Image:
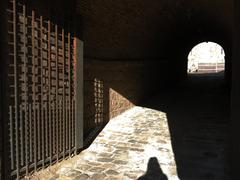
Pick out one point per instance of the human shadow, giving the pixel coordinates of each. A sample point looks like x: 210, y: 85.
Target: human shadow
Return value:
x: 154, y: 171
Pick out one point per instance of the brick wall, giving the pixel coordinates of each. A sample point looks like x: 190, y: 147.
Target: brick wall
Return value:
x: 139, y: 29
x: 112, y: 87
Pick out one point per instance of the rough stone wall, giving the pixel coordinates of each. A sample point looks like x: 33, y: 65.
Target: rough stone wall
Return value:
x: 104, y: 86
x: 156, y: 29
x: 112, y: 87
x: 118, y: 104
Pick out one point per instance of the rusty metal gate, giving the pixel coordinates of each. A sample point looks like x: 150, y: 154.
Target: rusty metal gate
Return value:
x: 44, y: 94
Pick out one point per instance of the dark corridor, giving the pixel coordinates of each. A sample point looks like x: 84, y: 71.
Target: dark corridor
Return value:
x: 109, y: 57
x: 198, y: 112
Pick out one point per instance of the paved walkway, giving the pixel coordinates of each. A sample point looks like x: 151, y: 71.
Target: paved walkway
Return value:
x: 123, y: 149
x: 181, y: 134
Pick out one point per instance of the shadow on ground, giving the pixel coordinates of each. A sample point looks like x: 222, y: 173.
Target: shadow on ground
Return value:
x: 154, y: 171
x: 198, y: 113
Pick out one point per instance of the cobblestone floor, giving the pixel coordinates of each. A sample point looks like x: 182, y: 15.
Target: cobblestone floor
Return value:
x: 122, y: 150
x: 182, y: 134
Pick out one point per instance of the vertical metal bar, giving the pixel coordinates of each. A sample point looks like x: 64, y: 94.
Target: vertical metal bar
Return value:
x: 35, y: 135
x: 54, y: 128
x: 11, y: 136
x: 30, y: 132
x: 42, y: 115
x: 60, y: 126
x: 67, y: 124
x: 73, y: 125
x: 73, y: 97
x: 26, y: 138
x: 69, y: 92
x: 49, y: 91
x: 21, y: 133
x: 16, y: 83
x: 46, y: 126
x: 25, y: 88
x: 57, y: 98
x: 74, y: 94
x: 38, y: 131
x: 64, y: 99
x: 60, y: 94
x: 34, y: 91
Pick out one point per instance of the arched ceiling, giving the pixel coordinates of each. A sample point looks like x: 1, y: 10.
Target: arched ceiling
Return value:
x: 156, y: 29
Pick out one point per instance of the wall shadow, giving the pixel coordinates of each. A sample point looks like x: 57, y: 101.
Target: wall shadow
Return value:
x: 154, y: 171
x: 96, y: 105
x: 198, y: 113
x: 112, y: 87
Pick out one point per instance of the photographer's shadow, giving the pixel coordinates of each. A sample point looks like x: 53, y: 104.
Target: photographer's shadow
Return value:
x: 154, y: 171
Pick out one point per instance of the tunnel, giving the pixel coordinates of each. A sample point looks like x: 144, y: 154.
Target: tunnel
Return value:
x: 134, y: 54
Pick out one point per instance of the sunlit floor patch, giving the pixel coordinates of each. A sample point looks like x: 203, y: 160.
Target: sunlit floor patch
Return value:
x: 123, y: 149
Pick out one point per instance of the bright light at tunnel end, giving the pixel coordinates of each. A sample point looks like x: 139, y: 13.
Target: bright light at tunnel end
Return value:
x: 206, y: 57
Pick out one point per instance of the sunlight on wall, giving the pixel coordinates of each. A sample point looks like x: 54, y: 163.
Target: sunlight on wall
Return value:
x: 118, y: 103
x: 206, y: 57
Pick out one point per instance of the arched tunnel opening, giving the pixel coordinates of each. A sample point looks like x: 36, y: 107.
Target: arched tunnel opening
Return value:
x: 206, y: 57
x: 110, y: 89
x: 197, y: 110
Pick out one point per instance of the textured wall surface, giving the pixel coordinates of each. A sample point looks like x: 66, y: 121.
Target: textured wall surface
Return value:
x: 113, y: 87
x: 156, y: 29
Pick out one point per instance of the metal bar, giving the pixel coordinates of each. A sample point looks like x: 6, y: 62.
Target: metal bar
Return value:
x: 73, y: 124
x: 30, y: 132
x: 26, y: 138
x: 26, y: 88
x: 64, y: 99
x: 42, y: 114
x: 11, y: 136
x: 57, y: 98
x: 46, y: 127
x: 73, y: 94
x: 21, y: 134
x: 34, y: 90
x: 60, y: 126
x: 67, y: 124
x: 54, y: 128
x: 49, y: 91
x: 69, y: 91
x: 16, y: 83
x: 38, y: 131
x: 75, y: 50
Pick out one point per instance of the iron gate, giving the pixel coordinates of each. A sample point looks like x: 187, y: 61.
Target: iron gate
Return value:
x: 44, y: 89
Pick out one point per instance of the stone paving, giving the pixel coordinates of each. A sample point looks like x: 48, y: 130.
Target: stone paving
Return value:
x: 122, y: 150
x: 182, y: 134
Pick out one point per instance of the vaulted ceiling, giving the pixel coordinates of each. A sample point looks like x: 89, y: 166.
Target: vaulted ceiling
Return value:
x: 156, y: 29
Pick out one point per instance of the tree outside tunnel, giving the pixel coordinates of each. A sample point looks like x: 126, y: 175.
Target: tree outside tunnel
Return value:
x: 206, y: 57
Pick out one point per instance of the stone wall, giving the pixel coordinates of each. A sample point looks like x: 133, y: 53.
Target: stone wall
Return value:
x: 112, y: 87
x: 139, y: 29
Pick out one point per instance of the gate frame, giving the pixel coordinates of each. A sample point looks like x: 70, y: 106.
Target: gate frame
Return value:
x: 5, y: 167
